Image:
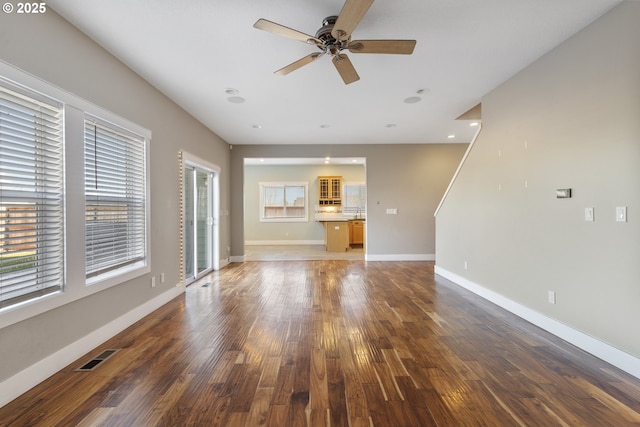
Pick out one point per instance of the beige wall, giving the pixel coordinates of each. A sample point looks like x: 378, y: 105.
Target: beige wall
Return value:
x: 570, y: 120
x: 48, y: 47
x: 410, y: 178
x: 256, y: 231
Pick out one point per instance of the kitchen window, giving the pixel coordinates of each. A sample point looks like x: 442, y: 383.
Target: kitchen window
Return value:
x: 284, y: 202
x: 354, y: 199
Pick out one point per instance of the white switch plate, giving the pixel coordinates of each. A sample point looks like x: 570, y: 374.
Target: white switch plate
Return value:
x: 621, y: 214
x: 552, y: 297
x: 392, y: 211
x: 588, y: 214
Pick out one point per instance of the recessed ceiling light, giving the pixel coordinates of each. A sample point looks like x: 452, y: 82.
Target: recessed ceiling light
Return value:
x: 391, y: 125
x: 257, y: 126
x: 324, y: 126
x: 236, y: 99
x: 231, y: 91
x: 451, y: 136
x: 474, y: 124
x: 412, y: 100
x: 421, y: 91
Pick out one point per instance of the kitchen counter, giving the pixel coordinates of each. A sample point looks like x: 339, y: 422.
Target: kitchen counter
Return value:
x: 328, y: 217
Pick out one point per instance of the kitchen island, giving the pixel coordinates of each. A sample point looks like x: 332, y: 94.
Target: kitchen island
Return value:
x: 337, y: 235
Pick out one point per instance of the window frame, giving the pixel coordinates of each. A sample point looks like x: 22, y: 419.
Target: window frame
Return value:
x: 35, y: 137
x: 122, y: 268
x: 351, y: 210
x: 284, y: 185
x: 75, y: 286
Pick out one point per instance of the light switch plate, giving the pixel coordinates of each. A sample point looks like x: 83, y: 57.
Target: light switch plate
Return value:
x: 621, y: 214
x: 588, y: 214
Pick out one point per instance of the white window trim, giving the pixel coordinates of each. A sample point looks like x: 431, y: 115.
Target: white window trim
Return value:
x: 348, y: 209
x: 74, y: 112
x: 304, y: 218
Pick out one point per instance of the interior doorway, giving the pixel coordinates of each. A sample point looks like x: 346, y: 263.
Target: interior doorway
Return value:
x: 200, y: 218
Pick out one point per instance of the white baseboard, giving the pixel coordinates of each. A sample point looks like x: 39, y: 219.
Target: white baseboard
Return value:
x: 237, y: 258
x: 600, y: 349
x: 21, y: 382
x: 400, y: 257
x: 282, y: 242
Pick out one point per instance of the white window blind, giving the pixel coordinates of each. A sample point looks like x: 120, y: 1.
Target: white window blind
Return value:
x: 31, y: 195
x: 283, y: 201
x: 115, y: 197
x: 354, y: 199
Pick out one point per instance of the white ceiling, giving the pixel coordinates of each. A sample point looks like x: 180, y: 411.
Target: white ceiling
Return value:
x: 193, y: 51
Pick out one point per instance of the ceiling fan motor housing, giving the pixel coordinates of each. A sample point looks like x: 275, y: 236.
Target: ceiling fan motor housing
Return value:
x: 331, y: 45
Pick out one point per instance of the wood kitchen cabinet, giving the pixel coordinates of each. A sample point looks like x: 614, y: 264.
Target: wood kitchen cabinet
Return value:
x: 356, y: 232
x: 336, y: 236
x: 329, y: 190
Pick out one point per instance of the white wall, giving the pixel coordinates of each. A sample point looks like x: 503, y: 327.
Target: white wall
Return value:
x: 570, y: 120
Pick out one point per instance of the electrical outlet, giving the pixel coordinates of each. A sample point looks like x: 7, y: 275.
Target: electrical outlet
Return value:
x: 161, y: 277
x: 552, y: 297
x: 621, y: 214
x: 465, y: 265
x: 153, y: 281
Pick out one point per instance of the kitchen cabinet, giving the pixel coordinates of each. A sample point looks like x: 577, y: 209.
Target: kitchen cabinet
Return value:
x: 329, y: 190
x: 356, y: 232
x: 336, y: 236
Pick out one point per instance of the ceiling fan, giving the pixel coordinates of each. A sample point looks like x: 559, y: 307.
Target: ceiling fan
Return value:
x: 335, y: 37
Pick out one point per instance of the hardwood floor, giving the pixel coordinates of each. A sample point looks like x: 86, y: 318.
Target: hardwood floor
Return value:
x: 332, y: 343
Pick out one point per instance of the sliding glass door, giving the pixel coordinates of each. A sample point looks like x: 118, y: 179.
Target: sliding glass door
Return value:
x: 200, y: 221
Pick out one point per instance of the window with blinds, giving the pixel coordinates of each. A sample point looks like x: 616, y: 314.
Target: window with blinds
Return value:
x: 284, y: 202
x: 31, y: 195
x: 115, y: 198
x: 354, y: 199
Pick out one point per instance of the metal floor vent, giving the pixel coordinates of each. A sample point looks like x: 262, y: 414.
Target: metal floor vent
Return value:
x: 97, y: 361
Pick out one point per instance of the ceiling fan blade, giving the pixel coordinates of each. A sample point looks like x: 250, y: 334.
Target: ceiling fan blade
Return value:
x: 349, y: 17
x: 400, y: 47
x: 345, y: 68
x: 299, y: 63
x: 281, y: 30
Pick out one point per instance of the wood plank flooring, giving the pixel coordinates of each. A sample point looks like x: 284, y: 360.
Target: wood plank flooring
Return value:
x: 332, y: 343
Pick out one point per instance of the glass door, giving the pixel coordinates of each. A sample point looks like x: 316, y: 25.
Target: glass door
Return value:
x: 204, y: 221
x: 200, y: 198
